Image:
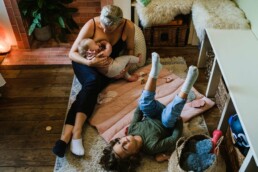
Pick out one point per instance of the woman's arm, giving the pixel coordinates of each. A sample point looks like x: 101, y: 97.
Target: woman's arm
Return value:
x: 169, y: 143
x: 86, y: 32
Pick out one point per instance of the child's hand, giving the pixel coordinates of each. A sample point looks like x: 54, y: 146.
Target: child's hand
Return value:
x: 162, y: 157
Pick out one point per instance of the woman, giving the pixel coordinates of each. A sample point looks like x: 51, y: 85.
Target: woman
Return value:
x: 110, y: 26
x: 154, y: 128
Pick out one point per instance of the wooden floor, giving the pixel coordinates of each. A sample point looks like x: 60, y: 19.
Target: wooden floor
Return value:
x: 35, y: 98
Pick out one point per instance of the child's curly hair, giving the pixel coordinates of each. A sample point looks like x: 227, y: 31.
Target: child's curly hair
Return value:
x: 110, y: 161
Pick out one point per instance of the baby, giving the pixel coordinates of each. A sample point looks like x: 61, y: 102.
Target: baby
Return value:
x: 88, y: 48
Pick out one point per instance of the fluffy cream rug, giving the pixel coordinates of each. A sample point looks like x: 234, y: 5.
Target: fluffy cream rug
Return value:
x: 162, y: 12
x: 219, y: 14
x: 94, y: 144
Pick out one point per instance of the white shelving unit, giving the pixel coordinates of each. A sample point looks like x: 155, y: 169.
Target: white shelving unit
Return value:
x: 236, y: 53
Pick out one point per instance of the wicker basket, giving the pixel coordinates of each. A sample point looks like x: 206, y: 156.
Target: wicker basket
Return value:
x: 172, y: 34
x: 148, y: 35
x: 235, y: 157
x: 209, y: 62
x: 221, y: 95
x: 182, y: 146
x: 166, y: 35
x: 182, y: 35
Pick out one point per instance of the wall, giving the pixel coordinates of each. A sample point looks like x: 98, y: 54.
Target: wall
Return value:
x: 125, y: 5
x: 251, y: 12
x: 87, y: 9
x: 6, y: 31
x: 10, y: 18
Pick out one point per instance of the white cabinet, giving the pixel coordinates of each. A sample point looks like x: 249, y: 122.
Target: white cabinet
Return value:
x: 236, y: 53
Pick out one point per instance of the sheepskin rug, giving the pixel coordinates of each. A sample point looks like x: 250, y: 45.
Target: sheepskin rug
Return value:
x: 162, y: 12
x: 218, y: 14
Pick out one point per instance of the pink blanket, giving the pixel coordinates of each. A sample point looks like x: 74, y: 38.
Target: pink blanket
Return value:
x: 118, y: 101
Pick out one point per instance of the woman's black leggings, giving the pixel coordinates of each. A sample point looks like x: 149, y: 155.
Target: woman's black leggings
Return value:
x: 92, y: 84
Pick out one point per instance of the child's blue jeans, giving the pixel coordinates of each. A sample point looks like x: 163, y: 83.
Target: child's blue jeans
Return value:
x: 154, y: 109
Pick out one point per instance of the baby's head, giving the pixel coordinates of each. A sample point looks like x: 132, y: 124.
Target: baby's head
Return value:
x: 87, y: 44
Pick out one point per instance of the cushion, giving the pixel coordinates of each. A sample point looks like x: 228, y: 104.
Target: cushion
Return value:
x: 162, y: 12
x: 218, y: 14
x: 139, y: 47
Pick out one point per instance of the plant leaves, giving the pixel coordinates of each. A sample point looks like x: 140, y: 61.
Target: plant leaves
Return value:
x: 61, y: 21
x: 55, y: 13
x: 32, y: 28
x: 40, y: 3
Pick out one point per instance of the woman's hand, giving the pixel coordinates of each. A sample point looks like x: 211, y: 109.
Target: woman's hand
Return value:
x: 98, y: 61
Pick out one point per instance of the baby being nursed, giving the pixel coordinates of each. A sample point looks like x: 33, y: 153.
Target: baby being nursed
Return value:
x: 88, y: 48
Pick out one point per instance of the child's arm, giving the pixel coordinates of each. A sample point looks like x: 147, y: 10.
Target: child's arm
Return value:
x: 107, y: 48
x: 138, y: 115
x: 169, y: 143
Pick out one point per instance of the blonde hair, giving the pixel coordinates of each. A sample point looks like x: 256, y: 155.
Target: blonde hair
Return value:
x: 111, y: 15
x: 84, y: 46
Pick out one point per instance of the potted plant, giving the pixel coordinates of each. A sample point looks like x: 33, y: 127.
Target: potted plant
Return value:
x: 50, y: 16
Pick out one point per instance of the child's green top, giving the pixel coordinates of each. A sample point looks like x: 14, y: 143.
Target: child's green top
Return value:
x: 156, y: 138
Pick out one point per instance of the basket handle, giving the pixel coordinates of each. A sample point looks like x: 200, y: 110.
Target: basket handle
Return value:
x: 179, y: 143
x: 216, y: 149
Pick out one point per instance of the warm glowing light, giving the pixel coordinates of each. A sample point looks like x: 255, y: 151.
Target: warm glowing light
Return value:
x: 4, y: 47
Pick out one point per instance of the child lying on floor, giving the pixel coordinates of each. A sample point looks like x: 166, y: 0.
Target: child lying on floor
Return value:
x: 155, y: 128
x: 88, y: 48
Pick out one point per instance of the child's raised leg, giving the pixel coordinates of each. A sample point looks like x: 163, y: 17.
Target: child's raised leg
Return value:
x: 173, y: 110
x: 147, y: 103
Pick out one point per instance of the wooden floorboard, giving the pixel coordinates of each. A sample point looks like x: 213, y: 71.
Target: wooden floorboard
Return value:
x: 32, y: 114
x: 36, y: 97
x: 32, y: 100
x: 18, y: 142
x: 26, y: 157
x: 27, y: 169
